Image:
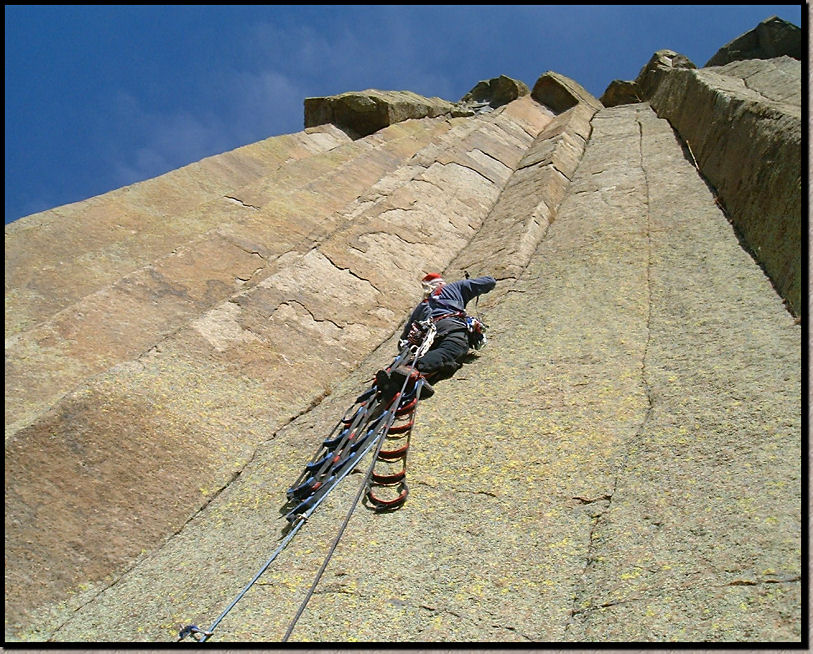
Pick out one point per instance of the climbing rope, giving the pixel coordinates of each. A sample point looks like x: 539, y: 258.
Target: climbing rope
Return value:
x: 365, y: 426
x: 362, y: 487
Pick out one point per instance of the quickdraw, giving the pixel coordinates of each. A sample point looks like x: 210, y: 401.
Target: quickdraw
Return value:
x: 193, y: 631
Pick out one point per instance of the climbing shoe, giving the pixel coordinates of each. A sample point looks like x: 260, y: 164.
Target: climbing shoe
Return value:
x: 399, y: 374
x: 382, y: 379
x: 385, y: 385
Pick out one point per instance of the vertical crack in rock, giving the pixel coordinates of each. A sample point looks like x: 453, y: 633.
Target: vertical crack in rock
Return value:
x: 644, y: 356
x: 607, y: 499
x: 645, y: 353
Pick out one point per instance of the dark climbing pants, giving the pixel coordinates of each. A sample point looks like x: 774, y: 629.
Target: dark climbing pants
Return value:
x: 445, y: 355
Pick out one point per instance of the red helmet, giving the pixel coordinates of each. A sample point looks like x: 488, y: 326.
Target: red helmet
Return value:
x: 431, y: 284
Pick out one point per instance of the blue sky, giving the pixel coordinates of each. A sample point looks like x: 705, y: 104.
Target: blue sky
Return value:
x: 102, y: 97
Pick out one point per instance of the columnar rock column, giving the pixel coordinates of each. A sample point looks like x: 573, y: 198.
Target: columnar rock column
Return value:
x: 742, y: 123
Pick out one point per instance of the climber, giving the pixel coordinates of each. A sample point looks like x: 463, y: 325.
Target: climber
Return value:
x: 444, y: 305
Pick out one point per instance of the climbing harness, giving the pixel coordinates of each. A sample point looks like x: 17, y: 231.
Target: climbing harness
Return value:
x: 379, y: 420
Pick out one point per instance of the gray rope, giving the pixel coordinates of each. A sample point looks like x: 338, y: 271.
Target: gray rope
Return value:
x: 377, y: 443
x: 279, y: 549
x: 362, y: 488
x: 288, y: 537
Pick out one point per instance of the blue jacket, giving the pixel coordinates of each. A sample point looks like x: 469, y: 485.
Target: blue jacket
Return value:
x: 450, y: 299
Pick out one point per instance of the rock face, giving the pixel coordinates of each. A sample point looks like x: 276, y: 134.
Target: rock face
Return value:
x: 743, y: 111
x: 561, y: 93
x: 365, y: 112
x: 232, y: 328
x: 362, y: 113
x: 622, y: 463
x: 496, y: 92
x: 772, y: 38
x: 748, y: 111
x: 620, y: 92
x: 658, y: 66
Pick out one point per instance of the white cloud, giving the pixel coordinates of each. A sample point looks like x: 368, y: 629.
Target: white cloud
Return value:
x: 250, y: 107
x: 261, y: 92
x: 375, y: 48
x: 262, y: 104
x: 161, y: 141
